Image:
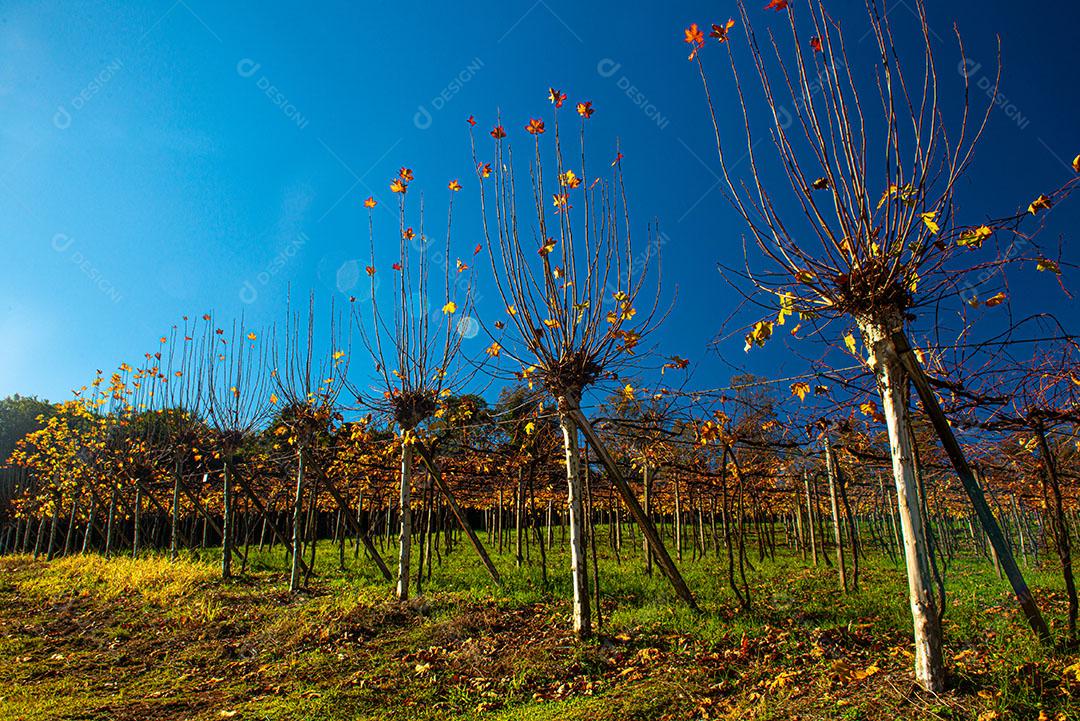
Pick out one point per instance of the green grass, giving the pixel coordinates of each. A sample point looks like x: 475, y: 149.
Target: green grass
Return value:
x: 88, y: 638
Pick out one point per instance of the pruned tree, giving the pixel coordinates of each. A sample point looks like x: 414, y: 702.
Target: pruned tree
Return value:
x: 856, y: 217
x: 570, y: 283
x: 415, y: 345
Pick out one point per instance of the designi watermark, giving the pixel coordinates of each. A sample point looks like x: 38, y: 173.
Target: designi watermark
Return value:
x: 248, y: 68
x: 65, y: 114
x: 423, y: 118
x: 64, y: 244
x: 608, y: 68
x: 249, y: 289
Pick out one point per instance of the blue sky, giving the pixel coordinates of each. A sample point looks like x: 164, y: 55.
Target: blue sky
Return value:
x: 167, y: 158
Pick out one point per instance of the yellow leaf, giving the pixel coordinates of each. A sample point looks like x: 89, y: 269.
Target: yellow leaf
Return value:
x: 867, y: 672
x: 1047, y: 264
x: 529, y: 428
x: 870, y: 409
x: 787, y: 304
x: 450, y: 308
x: 849, y: 341
x: 928, y: 220
x: 973, y: 238
x: 1040, y: 203
x: 995, y: 300
x: 273, y: 398
x: 762, y: 332
x: 800, y: 389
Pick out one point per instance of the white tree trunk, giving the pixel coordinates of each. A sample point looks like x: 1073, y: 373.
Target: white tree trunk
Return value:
x: 297, y: 535
x: 226, y: 524
x: 576, y: 494
x: 892, y: 383
x: 405, y: 513
x: 838, y: 536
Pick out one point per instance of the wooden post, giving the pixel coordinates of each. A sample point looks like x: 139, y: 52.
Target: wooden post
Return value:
x: 459, y: 514
x: 667, y: 566
x: 838, y: 535
x: 974, y: 491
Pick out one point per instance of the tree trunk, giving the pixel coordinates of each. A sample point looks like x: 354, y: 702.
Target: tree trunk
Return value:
x: 1059, y: 526
x: 892, y: 384
x: 810, y: 517
x: 646, y: 482
x: 109, y: 523
x: 519, y: 512
x: 226, y: 524
x: 174, y: 534
x: 137, y: 531
x: 838, y: 535
x: 578, y: 565
x: 51, y: 553
x: 297, y: 521
x: 405, y: 518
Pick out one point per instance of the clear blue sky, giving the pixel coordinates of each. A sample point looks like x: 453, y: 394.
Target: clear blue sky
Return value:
x: 155, y: 157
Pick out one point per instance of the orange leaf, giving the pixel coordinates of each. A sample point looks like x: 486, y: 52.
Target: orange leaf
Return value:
x: 556, y: 97
x: 370, y: 202
x: 454, y: 186
x: 498, y: 132
x: 535, y: 127
x: 777, y: 5
x: 585, y: 109
x: 693, y: 37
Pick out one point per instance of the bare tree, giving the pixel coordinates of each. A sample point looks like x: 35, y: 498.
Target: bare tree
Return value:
x: 857, y: 216
x: 571, y: 293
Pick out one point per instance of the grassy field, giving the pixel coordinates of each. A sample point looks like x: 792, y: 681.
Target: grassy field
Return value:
x: 88, y: 638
